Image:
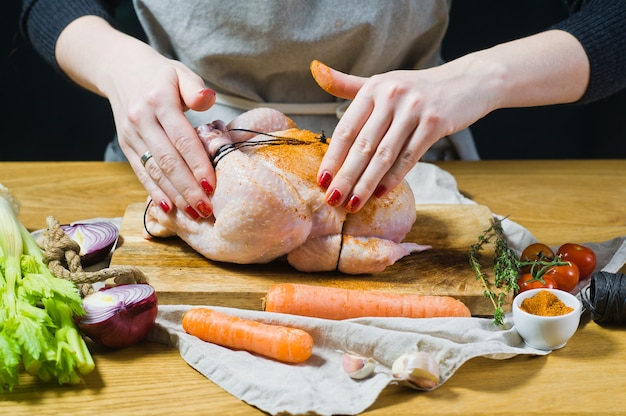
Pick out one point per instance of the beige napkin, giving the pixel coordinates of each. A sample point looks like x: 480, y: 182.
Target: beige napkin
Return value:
x: 320, y: 385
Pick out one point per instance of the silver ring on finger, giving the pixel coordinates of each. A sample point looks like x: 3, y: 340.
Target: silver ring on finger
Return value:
x: 144, y: 158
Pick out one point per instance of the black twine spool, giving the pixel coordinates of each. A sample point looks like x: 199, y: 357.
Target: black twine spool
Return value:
x: 605, y: 297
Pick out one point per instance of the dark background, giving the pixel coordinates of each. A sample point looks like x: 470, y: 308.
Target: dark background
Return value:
x: 46, y: 117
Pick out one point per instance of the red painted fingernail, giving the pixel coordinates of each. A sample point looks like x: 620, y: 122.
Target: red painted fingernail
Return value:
x: 208, y: 189
x: 380, y: 191
x: 164, y: 206
x: 334, y: 197
x: 325, y: 179
x: 207, y: 92
x: 204, y: 209
x: 353, y: 203
x: 192, y: 212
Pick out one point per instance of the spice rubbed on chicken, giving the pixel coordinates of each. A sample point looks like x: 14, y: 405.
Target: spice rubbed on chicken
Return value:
x: 267, y: 204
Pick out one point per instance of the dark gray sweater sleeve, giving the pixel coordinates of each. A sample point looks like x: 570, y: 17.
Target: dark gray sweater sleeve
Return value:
x: 600, y: 27
x: 42, y: 21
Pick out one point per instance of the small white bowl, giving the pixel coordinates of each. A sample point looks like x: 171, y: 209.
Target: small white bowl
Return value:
x: 546, y: 332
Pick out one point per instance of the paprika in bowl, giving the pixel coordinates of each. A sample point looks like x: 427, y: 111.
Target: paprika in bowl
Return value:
x: 546, y: 318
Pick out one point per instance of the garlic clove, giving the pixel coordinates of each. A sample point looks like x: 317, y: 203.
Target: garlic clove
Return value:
x: 356, y: 366
x: 418, y: 368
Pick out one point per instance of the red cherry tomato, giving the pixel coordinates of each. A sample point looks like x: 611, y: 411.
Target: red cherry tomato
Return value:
x: 525, y: 283
x: 581, y: 256
x: 566, y: 277
x: 534, y: 252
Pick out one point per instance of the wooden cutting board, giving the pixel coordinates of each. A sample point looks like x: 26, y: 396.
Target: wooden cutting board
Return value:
x: 182, y: 276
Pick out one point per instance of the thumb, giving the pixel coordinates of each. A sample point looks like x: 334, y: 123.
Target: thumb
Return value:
x: 334, y: 82
x: 194, y: 94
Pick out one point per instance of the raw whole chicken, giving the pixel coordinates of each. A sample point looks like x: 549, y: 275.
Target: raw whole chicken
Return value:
x: 267, y: 204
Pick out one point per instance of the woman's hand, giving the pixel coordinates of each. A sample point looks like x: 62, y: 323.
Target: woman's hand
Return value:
x: 396, y: 116
x: 393, y: 119
x: 148, y: 94
x: 148, y: 109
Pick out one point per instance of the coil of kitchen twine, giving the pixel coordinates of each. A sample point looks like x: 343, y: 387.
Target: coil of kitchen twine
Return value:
x: 605, y: 297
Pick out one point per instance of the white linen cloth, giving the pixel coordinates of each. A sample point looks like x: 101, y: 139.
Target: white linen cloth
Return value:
x: 320, y: 385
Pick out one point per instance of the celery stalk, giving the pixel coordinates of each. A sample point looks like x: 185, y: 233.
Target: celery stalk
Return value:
x: 37, y: 329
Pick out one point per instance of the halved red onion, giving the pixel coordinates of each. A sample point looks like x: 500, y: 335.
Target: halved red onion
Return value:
x: 96, y: 239
x: 119, y: 316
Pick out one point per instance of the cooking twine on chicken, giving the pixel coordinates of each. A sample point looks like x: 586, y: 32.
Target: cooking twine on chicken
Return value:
x: 62, y: 255
x: 276, y: 140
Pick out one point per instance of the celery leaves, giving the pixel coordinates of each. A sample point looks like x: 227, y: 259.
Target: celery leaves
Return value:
x: 37, y: 310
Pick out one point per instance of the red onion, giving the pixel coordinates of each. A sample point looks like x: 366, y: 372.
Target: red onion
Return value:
x: 119, y: 316
x: 96, y: 239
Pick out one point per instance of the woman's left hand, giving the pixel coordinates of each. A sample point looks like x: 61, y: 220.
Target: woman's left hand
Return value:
x: 393, y: 119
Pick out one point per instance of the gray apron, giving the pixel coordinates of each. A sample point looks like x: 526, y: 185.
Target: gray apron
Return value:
x: 257, y: 53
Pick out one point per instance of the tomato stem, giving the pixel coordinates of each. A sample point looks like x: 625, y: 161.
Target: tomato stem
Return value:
x: 539, y: 267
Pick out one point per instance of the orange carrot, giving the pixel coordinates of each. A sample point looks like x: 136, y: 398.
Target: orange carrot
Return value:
x: 289, y: 345
x: 337, y: 303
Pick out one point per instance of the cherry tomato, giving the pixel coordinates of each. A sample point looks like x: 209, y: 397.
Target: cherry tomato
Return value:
x: 534, y: 252
x: 566, y: 277
x: 524, y: 283
x: 581, y: 256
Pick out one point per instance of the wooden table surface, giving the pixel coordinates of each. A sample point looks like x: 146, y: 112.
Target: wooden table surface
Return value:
x: 558, y: 201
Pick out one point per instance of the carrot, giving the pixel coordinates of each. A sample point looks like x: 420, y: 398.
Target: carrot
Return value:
x: 337, y: 303
x: 289, y: 345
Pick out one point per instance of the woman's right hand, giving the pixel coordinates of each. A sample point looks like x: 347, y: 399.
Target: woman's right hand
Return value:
x: 396, y: 116
x: 148, y: 94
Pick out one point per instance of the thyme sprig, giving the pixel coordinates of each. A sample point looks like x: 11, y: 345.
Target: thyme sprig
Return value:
x: 506, y: 268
